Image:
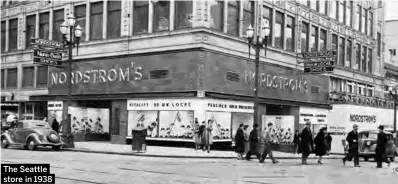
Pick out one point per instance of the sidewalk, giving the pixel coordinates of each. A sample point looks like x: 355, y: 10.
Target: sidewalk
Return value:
x: 171, y: 152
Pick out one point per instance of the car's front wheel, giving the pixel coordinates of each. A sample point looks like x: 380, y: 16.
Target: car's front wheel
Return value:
x: 31, y: 144
x: 4, y: 143
x: 56, y: 148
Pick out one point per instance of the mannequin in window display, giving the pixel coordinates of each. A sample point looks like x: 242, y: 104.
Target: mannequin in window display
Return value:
x: 227, y: 133
x: 152, y: 129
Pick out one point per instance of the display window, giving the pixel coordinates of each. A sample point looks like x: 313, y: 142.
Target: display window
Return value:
x: 150, y: 119
x: 176, y: 124
x: 282, y: 128
x: 239, y: 118
x: 220, y: 123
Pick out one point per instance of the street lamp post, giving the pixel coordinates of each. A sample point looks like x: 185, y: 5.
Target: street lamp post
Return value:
x: 394, y: 95
x: 257, y: 42
x: 75, y: 32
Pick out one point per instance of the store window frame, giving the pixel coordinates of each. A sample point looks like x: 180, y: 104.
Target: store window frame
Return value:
x: 248, y: 15
x: 28, y: 73
x: 370, y: 61
x: 341, y: 52
x: 58, y: 19
x: 30, y: 30
x: 348, y: 13
x: 42, y: 77
x: 279, y: 24
x: 268, y: 16
x: 13, y: 35
x: 290, y: 25
x: 323, y: 40
x: 314, y: 39
x: 96, y: 27
x: 304, y: 33
x: 364, y: 58
x: 140, y: 17
x: 184, y: 19
x: 80, y: 15
x: 114, y: 16
x: 3, y: 36
x: 44, y: 25
x: 12, y: 81
x: 341, y: 11
x: 161, y: 13
x: 348, y: 53
x: 358, y: 49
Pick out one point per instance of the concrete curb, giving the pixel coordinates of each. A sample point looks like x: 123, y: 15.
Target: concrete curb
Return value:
x: 181, y: 156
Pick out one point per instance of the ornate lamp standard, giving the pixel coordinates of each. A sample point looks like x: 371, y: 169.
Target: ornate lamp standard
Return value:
x: 257, y: 42
x: 75, y: 32
x: 394, y: 95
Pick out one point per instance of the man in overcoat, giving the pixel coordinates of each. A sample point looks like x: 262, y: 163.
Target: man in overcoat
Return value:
x: 352, y: 139
x: 381, y: 147
x: 253, y: 139
x: 307, y: 143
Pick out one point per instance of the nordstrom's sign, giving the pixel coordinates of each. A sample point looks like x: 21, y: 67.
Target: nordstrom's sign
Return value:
x: 276, y: 81
x: 132, y: 73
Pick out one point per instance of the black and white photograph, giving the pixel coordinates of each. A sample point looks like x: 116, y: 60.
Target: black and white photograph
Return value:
x: 199, y: 91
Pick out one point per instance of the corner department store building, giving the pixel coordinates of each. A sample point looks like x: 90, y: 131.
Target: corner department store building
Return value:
x: 190, y: 60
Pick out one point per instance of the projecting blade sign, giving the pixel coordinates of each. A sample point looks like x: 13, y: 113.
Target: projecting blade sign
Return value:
x: 47, y: 52
x: 319, y: 62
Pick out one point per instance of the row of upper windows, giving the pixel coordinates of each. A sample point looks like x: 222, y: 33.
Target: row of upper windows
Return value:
x: 31, y: 77
x: 350, y: 87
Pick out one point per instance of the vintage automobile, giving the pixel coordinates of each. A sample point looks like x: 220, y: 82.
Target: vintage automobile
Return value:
x: 367, y: 145
x: 30, y: 134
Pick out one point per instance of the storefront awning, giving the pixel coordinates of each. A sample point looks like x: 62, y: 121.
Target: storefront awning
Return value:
x: 113, y: 96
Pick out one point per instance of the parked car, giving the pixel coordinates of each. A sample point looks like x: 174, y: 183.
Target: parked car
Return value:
x: 30, y: 134
x: 367, y: 145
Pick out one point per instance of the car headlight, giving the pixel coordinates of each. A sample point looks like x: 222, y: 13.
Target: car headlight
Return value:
x: 368, y: 143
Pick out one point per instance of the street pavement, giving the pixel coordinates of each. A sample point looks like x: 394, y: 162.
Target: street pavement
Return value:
x: 95, y: 168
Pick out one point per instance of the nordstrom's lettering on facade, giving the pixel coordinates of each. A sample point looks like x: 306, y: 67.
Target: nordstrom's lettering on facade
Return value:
x: 362, y: 118
x: 275, y: 81
x: 132, y: 73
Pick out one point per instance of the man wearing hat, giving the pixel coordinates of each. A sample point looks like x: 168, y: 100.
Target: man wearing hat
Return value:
x: 307, y: 143
x: 381, y: 147
x: 352, y: 139
x: 253, y: 139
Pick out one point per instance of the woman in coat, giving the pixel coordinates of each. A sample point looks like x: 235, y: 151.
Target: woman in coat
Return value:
x: 208, y: 136
x: 247, y: 135
x: 240, y: 142
x: 196, y: 135
x: 321, y: 145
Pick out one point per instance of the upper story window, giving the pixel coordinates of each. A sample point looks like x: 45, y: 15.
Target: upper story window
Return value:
x: 183, y: 14
x: 114, y: 19
x: 304, y: 2
x: 12, y: 78
x: 348, y: 20
x: 58, y: 19
x: 140, y: 17
x: 13, y: 35
x: 80, y: 14
x: 357, y: 56
x: 96, y: 20
x: 44, y: 26
x: 341, y: 51
x: 333, y: 9
x: 314, y: 39
x: 358, y: 18
x: 378, y: 44
x: 322, y: 6
x: 216, y: 15
x: 363, y: 21
x: 248, y: 15
x: 313, y: 4
x: 370, y: 61
x: 3, y: 36
x: 30, y: 29
x: 304, y: 37
x: 322, y: 40
x: 341, y: 11
x: 233, y: 18
x: 334, y: 42
x: 2, y: 82
x: 267, y: 15
x: 370, y: 91
x: 42, y: 76
x: 28, y: 76
x: 349, y: 54
x: 279, y: 30
x: 161, y: 16
x: 370, y: 23
x: 289, y: 34
x: 364, y: 55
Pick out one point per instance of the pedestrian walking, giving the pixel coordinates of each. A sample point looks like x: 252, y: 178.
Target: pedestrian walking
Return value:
x: 240, y: 142
x: 196, y: 136
x: 296, y: 141
x: 267, y: 145
x: 352, y: 139
x: 208, y: 136
x: 329, y: 140
x: 247, y: 136
x: 381, y: 148
x: 321, y: 145
x: 306, y: 144
x: 55, y: 125
x: 253, y: 140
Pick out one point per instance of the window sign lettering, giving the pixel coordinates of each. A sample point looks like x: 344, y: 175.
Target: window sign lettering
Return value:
x: 362, y: 118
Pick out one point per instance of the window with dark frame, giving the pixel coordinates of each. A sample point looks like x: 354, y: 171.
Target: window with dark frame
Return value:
x: 304, y: 36
x: 279, y: 30
x: 370, y: 61
x: 80, y: 14
x: 378, y: 44
x: 183, y: 14
x: 114, y: 19
x: 289, y: 34
x: 333, y: 9
x: 58, y: 19
x: 42, y: 77
x: 363, y: 21
x: 364, y: 55
x: 2, y: 79
x: 3, y: 36
x: 358, y: 18
x: 370, y: 23
x: 140, y: 17
x: 322, y: 6
x: 349, y: 54
x: 13, y: 35
x: 341, y: 51
x: 161, y: 16
x: 12, y: 78
x: 30, y: 30
x: 322, y: 40
x: 28, y: 76
x: 233, y: 18
x: 248, y: 15
x: 358, y: 57
x: 348, y: 20
x: 44, y: 25
x: 216, y: 15
x: 267, y: 15
x: 314, y: 39
x: 341, y: 11
x: 96, y: 18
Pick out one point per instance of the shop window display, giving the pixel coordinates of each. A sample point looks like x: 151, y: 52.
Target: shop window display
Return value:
x: 176, y: 124
x: 91, y: 123
x: 150, y: 120
x: 238, y: 118
x: 282, y: 128
x: 220, y: 122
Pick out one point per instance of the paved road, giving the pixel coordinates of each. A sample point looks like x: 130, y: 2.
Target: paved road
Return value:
x: 75, y: 167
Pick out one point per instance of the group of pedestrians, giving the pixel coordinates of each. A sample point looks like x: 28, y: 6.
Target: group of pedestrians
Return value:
x: 353, y: 146
x: 202, y: 136
x: 250, y: 144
